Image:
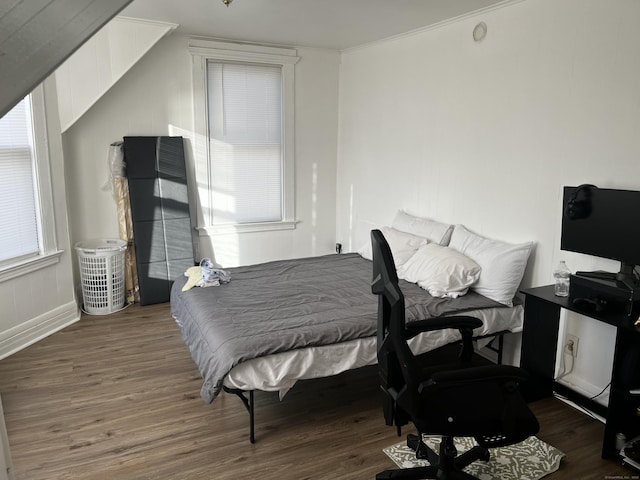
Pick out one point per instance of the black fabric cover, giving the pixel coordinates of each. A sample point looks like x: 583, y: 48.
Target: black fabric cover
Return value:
x: 160, y: 211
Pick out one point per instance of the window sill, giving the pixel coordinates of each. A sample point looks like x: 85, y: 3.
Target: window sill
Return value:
x: 212, y: 230
x: 30, y: 265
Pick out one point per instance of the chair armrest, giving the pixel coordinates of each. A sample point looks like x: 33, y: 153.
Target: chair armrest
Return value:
x: 458, y: 322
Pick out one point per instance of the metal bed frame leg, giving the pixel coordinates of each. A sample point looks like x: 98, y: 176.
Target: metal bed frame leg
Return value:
x: 250, y: 408
x: 249, y: 405
x: 500, y: 349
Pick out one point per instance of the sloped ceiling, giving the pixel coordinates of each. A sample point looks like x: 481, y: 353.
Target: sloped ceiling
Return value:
x: 38, y: 35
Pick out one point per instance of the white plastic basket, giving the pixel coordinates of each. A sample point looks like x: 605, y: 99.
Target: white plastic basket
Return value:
x: 102, y: 274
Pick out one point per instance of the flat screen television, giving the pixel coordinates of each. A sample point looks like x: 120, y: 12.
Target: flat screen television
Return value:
x: 604, y: 223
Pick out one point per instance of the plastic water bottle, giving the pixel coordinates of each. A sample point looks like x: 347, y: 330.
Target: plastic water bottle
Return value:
x: 561, y: 275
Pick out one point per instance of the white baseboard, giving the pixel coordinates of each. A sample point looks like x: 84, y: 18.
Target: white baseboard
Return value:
x: 31, y: 331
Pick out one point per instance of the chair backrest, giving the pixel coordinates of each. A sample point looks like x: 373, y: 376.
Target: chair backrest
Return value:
x: 385, y: 283
x: 392, y: 348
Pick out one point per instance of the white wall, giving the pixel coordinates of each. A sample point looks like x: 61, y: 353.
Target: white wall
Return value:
x: 486, y: 134
x: 39, y: 303
x: 155, y: 98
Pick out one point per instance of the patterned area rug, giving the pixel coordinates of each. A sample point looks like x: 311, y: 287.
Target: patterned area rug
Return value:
x: 529, y: 460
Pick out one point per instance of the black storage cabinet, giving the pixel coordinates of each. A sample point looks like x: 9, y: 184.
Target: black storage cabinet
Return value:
x: 160, y: 212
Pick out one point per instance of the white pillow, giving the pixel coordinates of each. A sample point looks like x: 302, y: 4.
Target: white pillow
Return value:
x: 424, y: 227
x: 403, y: 245
x: 442, y: 271
x: 502, y: 263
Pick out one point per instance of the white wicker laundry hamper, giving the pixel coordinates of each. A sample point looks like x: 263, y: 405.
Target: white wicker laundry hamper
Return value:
x: 101, y: 264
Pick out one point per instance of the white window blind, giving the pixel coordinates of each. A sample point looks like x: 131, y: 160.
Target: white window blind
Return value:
x: 19, y: 226
x: 245, y: 140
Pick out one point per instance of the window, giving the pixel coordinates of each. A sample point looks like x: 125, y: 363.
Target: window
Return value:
x: 244, y: 136
x: 18, y: 214
x: 245, y: 142
x: 27, y: 234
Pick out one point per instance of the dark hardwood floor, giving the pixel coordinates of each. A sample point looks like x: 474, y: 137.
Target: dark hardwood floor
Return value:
x: 117, y: 397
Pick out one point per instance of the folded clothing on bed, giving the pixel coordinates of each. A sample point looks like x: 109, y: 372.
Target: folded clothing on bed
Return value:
x: 205, y: 275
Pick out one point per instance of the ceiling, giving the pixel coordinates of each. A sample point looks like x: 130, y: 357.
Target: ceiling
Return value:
x: 334, y: 24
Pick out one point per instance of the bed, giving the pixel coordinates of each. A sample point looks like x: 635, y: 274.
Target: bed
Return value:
x: 279, y: 322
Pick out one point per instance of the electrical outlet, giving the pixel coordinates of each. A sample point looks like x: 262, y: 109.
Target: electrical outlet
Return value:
x: 571, y: 344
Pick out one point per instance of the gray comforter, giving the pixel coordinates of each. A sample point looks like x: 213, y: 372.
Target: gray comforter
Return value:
x: 283, y: 305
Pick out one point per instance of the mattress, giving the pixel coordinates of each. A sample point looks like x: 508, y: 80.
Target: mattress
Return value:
x: 307, y: 308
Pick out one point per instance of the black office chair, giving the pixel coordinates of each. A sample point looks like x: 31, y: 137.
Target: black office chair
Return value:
x: 455, y: 400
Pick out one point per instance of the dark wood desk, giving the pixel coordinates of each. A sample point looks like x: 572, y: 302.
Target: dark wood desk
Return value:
x: 538, y: 357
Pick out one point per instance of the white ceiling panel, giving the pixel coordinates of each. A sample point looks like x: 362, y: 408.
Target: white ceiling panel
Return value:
x: 334, y: 24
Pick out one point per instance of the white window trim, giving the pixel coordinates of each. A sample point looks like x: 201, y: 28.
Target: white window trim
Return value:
x: 202, y: 50
x: 49, y: 253
x: 32, y: 264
